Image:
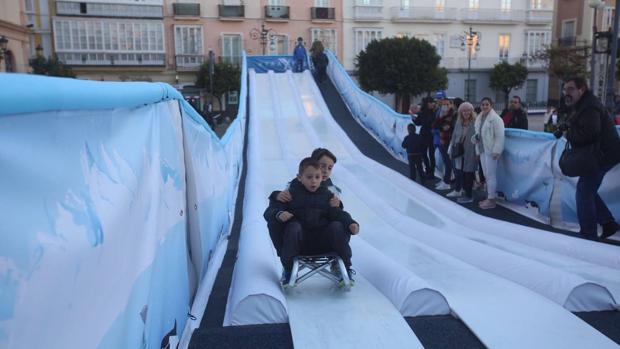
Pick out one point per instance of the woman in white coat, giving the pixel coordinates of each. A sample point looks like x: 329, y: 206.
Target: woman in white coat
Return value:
x: 489, y: 140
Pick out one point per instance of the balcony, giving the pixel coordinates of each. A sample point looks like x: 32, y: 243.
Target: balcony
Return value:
x: 539, y: 17
x: 423, y: 14
x: 231, y: 12
x: 277, y: 13
x: 111, y: 59
x: 87, y: 9
x: 492, y: 16
x: 189, y: 61
x: 476, y: 63
x: 186, y: 9
x: 323, y: 13
x: 567, y: 41
x: 368, y: 12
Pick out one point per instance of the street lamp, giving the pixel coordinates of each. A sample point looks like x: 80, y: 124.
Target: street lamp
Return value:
x: 262, y: 35
x: 39, y: 50
x: 594, y: 4
x: 471, y: 41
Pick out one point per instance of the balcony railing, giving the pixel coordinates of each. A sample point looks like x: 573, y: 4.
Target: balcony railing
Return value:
x: 189, y: 62
x: 112, y: 59
x: 539, y: 16
x: 423, y: 14
x: 495, y: 16
x: 231, y: 11
x: 324, y: 13
x: 186, y: 9
x: 486, y: 62
x: 567, y: 41
x: 235, y: 60
x: 87, y: 9
x: 373, y: 12
x: 277, y: 12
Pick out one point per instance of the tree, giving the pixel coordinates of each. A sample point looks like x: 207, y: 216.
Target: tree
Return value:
x: 564, y: 62
x: 506, y: 76
x: 226, y: 78
x: 403, y: 66
x: 51, y: 66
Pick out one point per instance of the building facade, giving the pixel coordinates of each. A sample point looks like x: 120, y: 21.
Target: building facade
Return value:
x: 508, y: 30
x: 14, y: 34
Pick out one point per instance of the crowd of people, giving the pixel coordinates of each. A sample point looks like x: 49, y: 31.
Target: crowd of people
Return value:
x: 470, y: 142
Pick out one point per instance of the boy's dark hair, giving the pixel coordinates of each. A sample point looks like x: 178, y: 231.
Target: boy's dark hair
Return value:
x: 411, y: 128
x: 318, y: 153
x: 579, y: 81
x: 457, y: 102
x: 300, y: 39
x: 308, y: 162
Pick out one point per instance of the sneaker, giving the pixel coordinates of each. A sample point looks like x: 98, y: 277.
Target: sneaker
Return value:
x: 442, y: 186
x: 487, y: 204
x: 464, y: 200
x: 350, y: 273
x: 454, y: 194
x: 609, y: 229
x: 285, y: 279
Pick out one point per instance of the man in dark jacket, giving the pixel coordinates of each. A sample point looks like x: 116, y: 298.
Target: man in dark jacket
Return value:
x: 313, y: 224
x: 515, y: 116
x: 413, y: 144
x: 425, y: 119
x: 588, y: 125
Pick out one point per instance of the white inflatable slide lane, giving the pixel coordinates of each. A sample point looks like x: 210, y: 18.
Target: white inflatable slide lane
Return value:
x: 500, y: 305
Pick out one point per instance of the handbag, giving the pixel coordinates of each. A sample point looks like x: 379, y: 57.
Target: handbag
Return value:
x: 458, y: 149
x: 582, y: 161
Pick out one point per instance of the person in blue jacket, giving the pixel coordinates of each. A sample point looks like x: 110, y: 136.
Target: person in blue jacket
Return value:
x: 299, y: 55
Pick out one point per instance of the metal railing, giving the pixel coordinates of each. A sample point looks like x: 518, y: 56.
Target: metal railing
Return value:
x: 186, y: 9
x: 486, y: 62
x: 231, y: 10
x: 111, y: 59
x: 328, y: 13
x: 277, y: 12
x: 414, y: 14
x: 108, y: 10
x: 505, y: 16
x: 539, y: 16
x: 368, y: 12
x: 189, y: 61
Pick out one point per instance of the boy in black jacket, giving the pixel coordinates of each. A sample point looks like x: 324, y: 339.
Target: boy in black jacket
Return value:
x: 313, y: 224
x: 414, y: 146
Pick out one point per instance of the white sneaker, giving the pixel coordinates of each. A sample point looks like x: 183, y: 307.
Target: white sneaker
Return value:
x: 454, y: 194
x: 442, y: 186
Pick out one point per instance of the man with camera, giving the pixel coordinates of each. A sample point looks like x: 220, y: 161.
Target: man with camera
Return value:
x: 589, y: 126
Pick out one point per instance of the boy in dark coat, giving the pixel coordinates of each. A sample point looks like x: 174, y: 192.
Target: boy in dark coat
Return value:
x: 414, y: 146
x: 313, y: 225
x: 299, y: 55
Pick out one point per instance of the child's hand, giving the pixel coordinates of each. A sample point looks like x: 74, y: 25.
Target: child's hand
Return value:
x: 284, y: 196
x: 354, y: 228
x: 285, y: 216
x: 334, y: 201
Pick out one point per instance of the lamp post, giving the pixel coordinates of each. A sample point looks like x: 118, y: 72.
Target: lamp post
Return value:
x: 611, y: 74
x: 470, y: 42
x: 262, y: 35
x: 594, y: 4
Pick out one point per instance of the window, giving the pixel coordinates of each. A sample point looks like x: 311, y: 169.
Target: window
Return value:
x: 405, y: 4
x: 440, y: 43
x: 531, y: 90
x: 231, y: 48
x: 321, y: 3
x: 363, y: 36
x: 505, y: 5
x: 474, y: 4
x: 188, y: 40
x: 275, y: 2
x: 278, y: 45
x: 568, y: 28
x: 327, y: 36
x: 403, y: 35
x: 504, y: 46
x: 541, y: 4
x: 440, y: 5
x: 470, y: 90
x: 536, y: 41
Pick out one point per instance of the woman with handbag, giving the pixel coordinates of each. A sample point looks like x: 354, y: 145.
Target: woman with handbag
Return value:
x: 463, y: 153
x: 489, y: 141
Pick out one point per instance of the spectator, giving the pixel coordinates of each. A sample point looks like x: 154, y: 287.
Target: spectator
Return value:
x: 515, y: 116
x: 445, y: 125
x: 556, y: 116
x: 425, y: 119
x: 299, y: 55
x: 413, y: 144
x: 489, y: 140
x: 465, y: 162
x: 590, y: 125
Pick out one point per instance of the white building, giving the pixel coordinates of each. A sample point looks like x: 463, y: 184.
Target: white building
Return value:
x: 511, y: 30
